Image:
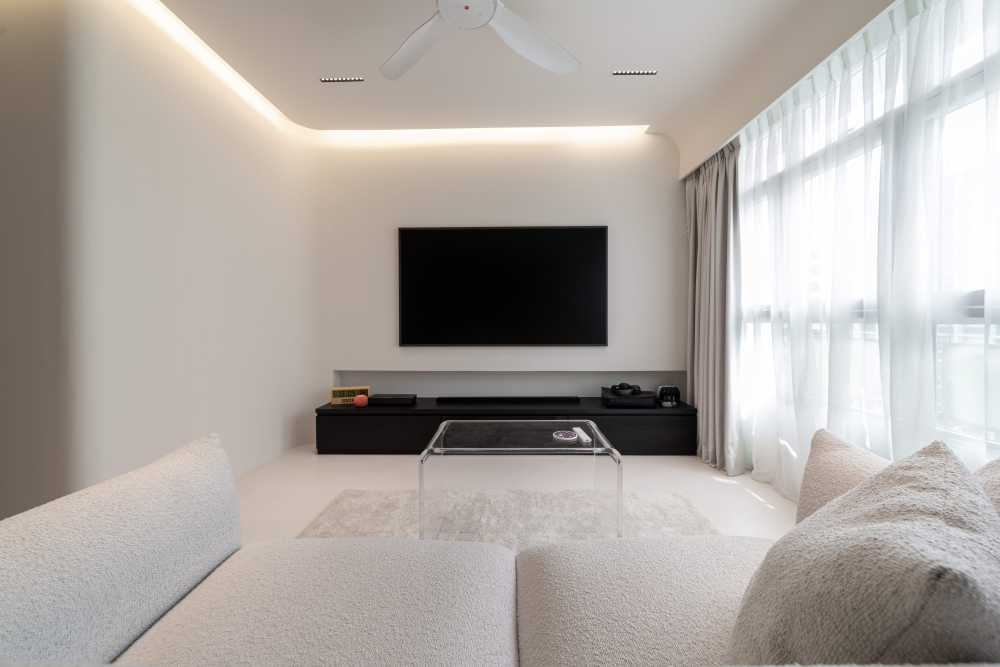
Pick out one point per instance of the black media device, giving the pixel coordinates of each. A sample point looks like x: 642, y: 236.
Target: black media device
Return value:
x: 508, y: 400
x: 503, y: 286
x: 624, y: 395
x: 392, y: 400
x: 625, y: 389
x: 668, y: 395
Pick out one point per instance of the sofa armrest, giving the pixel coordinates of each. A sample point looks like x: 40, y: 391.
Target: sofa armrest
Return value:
x: 83, y: 576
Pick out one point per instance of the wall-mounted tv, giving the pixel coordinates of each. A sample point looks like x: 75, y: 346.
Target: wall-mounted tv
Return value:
x: 503, y: 286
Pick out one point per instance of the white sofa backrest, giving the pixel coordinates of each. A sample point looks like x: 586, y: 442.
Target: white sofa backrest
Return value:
x: 82, y: 577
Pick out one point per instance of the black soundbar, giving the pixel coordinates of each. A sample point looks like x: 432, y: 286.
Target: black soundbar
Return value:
x: 392, y: 400
x: 507, y: 400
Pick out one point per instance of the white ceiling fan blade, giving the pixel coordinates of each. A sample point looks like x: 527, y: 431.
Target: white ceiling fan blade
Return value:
x: 536, y: 47
x: 415, y: 46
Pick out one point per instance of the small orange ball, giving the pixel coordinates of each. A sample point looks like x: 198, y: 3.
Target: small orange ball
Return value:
x: 360, y: 401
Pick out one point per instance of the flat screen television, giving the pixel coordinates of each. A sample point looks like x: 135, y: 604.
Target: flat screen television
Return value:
x: 503, y: 286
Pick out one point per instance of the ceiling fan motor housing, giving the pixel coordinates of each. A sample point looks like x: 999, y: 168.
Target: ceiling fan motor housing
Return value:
x: 453, y: 15
x: 467, y: 14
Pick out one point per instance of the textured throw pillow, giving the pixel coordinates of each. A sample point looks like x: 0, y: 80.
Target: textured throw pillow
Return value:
x: 904, y: 568
x: 833, y: 468
x: 989, y: 477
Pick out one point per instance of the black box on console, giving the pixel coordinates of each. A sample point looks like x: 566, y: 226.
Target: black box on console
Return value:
x: 392, y: 400
x: 644, y: 399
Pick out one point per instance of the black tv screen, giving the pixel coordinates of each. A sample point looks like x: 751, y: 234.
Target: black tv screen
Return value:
x: 503, y: 286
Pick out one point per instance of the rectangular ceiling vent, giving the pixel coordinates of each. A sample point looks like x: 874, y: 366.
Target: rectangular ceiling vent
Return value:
x: 634, y: 72
x: 342, y: 79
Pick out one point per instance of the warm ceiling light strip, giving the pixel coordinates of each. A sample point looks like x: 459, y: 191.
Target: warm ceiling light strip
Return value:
x: 183, y: 36
x: 186, y: 38
x: 481, y: 135
x: 342, y: 79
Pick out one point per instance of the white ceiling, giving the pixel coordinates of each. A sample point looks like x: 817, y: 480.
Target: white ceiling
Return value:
x: 283, y: 47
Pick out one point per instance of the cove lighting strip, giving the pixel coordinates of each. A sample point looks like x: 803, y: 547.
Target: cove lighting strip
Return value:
x: 480, y: 135
x: 168, y: 22
x: 183, y: 36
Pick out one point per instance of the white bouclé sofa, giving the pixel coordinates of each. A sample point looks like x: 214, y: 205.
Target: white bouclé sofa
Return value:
x: 148, y: 568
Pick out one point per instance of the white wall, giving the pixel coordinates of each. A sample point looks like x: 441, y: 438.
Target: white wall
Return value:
x: 174, y: 265
x: 503, y: 383
x: 184, y: 259
x: 365, y: 195
x: 194, y: 284
x: 34, y: 329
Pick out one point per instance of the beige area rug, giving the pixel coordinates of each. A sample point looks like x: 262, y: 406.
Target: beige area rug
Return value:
x: 514, y: 518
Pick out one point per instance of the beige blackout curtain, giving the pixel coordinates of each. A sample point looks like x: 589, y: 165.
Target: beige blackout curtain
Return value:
x: 712, y: 220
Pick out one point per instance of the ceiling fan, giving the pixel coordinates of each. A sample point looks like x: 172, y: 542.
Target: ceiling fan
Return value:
x: 452, y: 15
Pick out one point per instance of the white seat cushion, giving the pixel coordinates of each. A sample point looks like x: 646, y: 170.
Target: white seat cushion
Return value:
x: 344, y: 602
x: 633, y: 602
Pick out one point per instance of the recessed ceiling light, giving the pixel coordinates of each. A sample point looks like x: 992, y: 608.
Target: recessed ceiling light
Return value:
x: 634, y: 72
x: 342, y: 79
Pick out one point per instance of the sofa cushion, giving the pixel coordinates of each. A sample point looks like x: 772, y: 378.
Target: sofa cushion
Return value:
x: 904, y: 568
x: 652, y: 602
x: 81, y: 577
x: 366, y: 601
x: 989, y: 477
x: 833, y: 468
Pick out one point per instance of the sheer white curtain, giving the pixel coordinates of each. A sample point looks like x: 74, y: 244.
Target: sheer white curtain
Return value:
x: 869, y: 243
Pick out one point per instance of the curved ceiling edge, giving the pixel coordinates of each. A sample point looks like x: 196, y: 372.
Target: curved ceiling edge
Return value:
x: 174, y: 28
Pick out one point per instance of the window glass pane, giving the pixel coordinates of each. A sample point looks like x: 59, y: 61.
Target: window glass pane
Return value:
x: 968, y: 49
x: 899, y: 88
x: 757, y: 258
x: 960, y: 381
x: 809, y: 142
x: 856, y: 115
x: 993, y: 389
x: 878, y: 85
x: 859, y: 207
x: 756, y: 370
x: 866, y: 379
x: 963, y: 225
x: 960, y: 343
x: 854, y: 286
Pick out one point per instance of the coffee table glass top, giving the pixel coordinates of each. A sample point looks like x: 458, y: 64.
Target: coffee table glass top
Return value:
x: 520, y: 437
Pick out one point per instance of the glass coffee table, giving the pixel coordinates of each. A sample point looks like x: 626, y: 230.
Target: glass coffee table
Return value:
x: 520, y: 482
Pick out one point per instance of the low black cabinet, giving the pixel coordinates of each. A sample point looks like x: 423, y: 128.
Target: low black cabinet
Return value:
x: 407, y: 430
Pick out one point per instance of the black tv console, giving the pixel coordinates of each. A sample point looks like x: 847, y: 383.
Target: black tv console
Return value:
x: 408, y: 429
